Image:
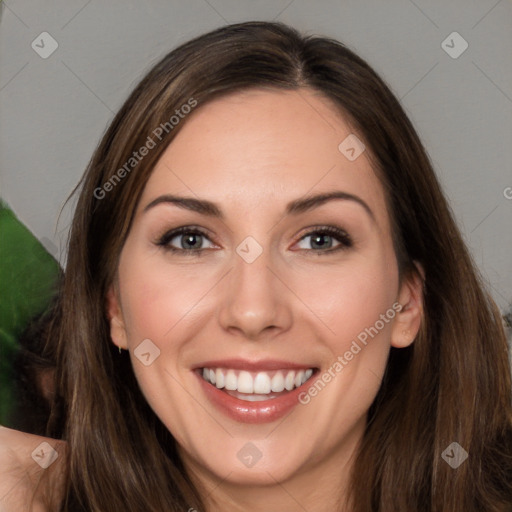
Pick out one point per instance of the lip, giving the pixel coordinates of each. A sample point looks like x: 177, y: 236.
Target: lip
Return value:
x: 253, y: 366
x: 265, y: 411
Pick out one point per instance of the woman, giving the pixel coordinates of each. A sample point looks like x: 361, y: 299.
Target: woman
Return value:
x: 261, y: 235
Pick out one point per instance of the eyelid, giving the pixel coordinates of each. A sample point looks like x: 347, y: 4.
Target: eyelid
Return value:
x: 343, y: 237
x: 164, y: 239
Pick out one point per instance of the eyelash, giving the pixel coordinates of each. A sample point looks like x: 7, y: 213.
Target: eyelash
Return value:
x: 341, y: 236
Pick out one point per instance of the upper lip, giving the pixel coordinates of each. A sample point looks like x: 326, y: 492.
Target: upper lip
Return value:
x: 254, y: 366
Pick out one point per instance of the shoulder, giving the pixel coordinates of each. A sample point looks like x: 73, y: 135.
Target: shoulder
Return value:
x: 31, y: 471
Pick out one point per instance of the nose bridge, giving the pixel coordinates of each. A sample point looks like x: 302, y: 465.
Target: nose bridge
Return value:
x: 254, y: 301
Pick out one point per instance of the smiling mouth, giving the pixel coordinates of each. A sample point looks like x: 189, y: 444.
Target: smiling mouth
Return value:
x: 256, y: 386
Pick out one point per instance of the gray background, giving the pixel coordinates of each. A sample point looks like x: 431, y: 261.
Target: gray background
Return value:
x: 54, y: 110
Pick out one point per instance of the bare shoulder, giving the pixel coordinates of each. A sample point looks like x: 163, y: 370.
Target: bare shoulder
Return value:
x: 31, y: 471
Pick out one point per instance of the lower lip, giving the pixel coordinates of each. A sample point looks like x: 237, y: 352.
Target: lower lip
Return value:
x: 264, y: 411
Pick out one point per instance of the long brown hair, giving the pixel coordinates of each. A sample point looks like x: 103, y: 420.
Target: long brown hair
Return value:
x: 452, y: 384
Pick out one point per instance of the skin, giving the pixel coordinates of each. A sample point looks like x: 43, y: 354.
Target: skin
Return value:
x: 251, y: 153
x: 25, y: 484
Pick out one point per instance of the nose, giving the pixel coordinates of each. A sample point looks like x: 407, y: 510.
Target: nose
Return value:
x: 255, y: 300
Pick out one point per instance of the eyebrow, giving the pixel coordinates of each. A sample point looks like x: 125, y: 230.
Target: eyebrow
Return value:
x: 205, y: 207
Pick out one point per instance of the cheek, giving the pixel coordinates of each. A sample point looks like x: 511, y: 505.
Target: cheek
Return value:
x: 354, y: 303
x: 158, y: 306
x: 350, y: 297
x: 156, y: 300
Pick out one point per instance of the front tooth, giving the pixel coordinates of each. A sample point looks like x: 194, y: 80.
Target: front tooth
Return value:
x: 245, y: 383
x: 262, y: 384
x: 289, y: 381
x: 298, y: 378
x: 219, y: 378
x: 212, y: 376
x: 278, y: 382
x: 231, y: 381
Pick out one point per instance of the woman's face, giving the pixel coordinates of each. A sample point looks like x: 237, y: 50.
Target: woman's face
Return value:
x: 265, y: 287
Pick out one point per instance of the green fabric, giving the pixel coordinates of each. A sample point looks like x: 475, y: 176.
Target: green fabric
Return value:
x: 28, y: 274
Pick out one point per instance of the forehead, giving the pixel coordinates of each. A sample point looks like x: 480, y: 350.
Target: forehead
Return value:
x: 265, y: 146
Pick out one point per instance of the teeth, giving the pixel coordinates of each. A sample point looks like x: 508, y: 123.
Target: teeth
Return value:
x: 262, y: 383
x: 253, y: 398
x: 245, y: 383
x: 289, y: 381
x: 231, y: 380
x: 277, y: 382
x: 219, y: 379
x: 257, y: 385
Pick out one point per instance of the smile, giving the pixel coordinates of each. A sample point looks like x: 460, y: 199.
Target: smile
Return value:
x: 253, y: 392
x: 256, y: 386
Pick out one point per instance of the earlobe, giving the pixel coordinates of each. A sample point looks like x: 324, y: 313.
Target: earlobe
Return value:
x: 408, y: 321
x: 115, y: 319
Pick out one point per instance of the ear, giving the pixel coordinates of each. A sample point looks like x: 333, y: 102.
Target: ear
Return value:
x: 408, y: 320
x: 115, y: 318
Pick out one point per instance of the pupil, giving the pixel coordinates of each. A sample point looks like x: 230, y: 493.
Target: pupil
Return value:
x: 190, y: 240
x: 320, y: 241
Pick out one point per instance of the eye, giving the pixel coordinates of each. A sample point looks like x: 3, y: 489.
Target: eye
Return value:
x: 190, y: 240
x: 322, y: 239
x: 185, y: 239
